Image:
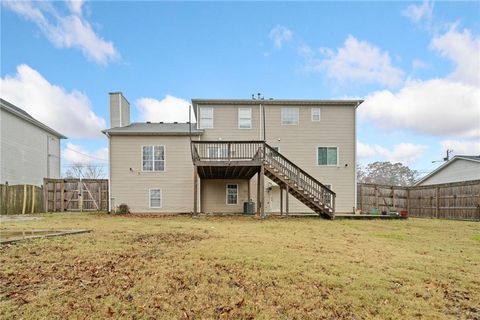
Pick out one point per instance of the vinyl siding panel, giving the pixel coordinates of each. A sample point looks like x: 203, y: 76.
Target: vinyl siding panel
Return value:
x: 458, y: 170
x: 28, y: 154
x: 299, y: 144
x: 132, y: 186
x: 214, y: 192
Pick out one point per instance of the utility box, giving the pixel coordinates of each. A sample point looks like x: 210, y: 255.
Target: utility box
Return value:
x: 249, y: 207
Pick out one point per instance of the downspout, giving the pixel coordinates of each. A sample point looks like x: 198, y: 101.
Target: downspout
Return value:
x: 264, y: 129
x: 109, y: 174
x: 355, y: 155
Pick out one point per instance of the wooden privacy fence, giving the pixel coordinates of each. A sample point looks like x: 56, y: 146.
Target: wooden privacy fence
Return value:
x: 20, y: 199
x: 75, y: 194
x: 458, y: 201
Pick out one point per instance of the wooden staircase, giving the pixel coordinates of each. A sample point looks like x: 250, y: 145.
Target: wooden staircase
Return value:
x: 243, y: 159
x: 300, y: 184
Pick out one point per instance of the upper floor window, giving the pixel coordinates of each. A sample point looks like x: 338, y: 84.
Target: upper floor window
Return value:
x: 153, y: 158
x: 327, y: 156
x: 315, y: 114
x: 206, y: 117
x: 245, y: 118
x: 290, y: 116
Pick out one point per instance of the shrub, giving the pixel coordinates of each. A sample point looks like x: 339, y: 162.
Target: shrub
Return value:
x: 123, y: 209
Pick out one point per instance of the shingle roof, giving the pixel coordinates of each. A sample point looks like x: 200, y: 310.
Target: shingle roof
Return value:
x: 155, y: 128
x: 27, y: 117
x: 281, y: 102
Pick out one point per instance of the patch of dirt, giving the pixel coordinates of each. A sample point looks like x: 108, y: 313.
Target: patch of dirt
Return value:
x: 170, y: 238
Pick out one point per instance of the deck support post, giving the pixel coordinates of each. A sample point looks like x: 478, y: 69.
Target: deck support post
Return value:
x: 195, y: 190
x: 286, y: 199
x: 248, y: 190
x: 281, y: 200
x: 262, y: 191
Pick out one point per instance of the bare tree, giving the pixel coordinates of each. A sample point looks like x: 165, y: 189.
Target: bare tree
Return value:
x: 84, y: 171
x: 387, y: 173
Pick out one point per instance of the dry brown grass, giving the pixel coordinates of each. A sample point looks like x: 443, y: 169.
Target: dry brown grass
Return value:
x: 239, y: 267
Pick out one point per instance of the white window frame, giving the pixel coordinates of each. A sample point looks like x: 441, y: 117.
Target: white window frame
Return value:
x: 327, y: 165
x: 200, y: 117
x: 313, y: 113
x: 150, y: 198
x: 226, y: 194
x: 153, y: 155
x: 250, y: 118
x: 290, y: 124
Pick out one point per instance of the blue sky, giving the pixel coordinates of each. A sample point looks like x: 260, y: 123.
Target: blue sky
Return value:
x: 415, y: 63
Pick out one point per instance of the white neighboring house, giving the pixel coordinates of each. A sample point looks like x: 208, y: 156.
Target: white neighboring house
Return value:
x: 458, y: 169
x: 29, y: 150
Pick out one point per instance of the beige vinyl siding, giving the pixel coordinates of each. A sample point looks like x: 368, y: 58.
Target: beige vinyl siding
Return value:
x: 225, y: 124
x: 132, y: 186
x: 28, y: 154
x: 299, y: 144
x: 214, y: 199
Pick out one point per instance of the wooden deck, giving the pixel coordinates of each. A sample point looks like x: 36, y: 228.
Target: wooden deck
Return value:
x: 245, y: 159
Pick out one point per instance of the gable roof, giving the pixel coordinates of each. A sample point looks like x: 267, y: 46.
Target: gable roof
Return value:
x: 22, y: 114
x: 155, y: 129
x: 446, y: 164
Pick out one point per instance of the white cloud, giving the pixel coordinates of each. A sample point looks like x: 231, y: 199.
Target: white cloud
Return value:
x: 69, y: 113
x: 168, y: 109
x: 461, y: 147
x: 405, y: 153
x: 463, y: 49
x: 280, y: 35
x: 70, y: 30
x: 435, y: 107
x: 73, y: 153
x: 418, y: 13
x: 419, y: 64
x: 356, y: 61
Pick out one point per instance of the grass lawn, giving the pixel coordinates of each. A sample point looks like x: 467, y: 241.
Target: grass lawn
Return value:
x: 239, y: 267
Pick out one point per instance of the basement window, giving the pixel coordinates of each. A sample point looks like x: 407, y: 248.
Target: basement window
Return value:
x: 155, y: 198
x: 290, y: 116
x: 232, y: 194
x: 327, y: 156
x: 206, y: 118
x: 153, y: 158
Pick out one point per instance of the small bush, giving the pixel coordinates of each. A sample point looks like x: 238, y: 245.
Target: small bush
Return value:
x: 123, y: 209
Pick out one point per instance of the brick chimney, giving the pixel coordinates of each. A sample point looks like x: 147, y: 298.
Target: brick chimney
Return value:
x: 119, y: 110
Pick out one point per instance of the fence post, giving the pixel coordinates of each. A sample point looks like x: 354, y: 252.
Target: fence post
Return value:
x: 437, y: 189
x: 33, y: 199
x: 408, y: 200
x: 80, y: 192
x: 24, y: 206
x: 376, y: 196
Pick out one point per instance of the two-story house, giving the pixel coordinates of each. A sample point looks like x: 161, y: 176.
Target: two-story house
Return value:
x: 29, y: 150
x: 238, y: 150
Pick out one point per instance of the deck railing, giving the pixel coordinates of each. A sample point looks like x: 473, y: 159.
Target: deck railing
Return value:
x: 259, y: 150
x: 303, y: 180
x: 226, y: 151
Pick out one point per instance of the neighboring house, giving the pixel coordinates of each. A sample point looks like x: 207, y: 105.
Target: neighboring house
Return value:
x: 29, y: 150
x: 458, y: 169
x: 240, y: 150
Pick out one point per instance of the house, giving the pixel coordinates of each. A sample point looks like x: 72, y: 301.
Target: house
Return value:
x: 30, y: 150
x: 284, y: 155
x: 459, y: 168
